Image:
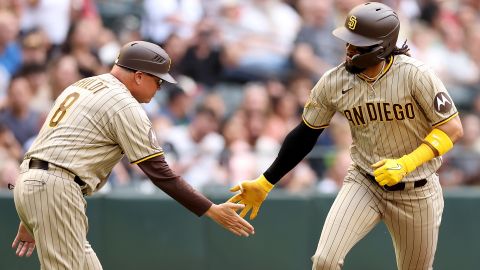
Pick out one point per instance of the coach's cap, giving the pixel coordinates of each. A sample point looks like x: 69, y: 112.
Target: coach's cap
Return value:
x: 146, y: 57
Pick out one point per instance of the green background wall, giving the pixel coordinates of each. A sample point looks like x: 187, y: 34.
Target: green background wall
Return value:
x: 133, y: 231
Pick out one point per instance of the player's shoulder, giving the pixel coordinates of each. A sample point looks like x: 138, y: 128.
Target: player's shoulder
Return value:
x: 117, y: 91
x: 335, y: 72
x: 110, y: 94
x: 405, y: 61
x: 333, y: 77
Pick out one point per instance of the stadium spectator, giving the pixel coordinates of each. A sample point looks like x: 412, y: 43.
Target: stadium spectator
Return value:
x: 108, y: 46
x: 163, y: 18
x: 10, y: 48
x: 176, y: 47
x: 194, y: 150
x: 18, y: 115
x: 214, y: 102
x: 80, y: 43
x: 256, y: 106
x: 37, y: 77
x: 462, y: 165
x: 177, y: 107
x: 450, y: 60
x: 237, y: 158
x: 202, y: 60
x: 9, y: 146
x: 258, y: 37
x: 316, y: 50
x: 51, y: 16
x: 14, y: 6
x: 286, y: 109
x: 35, y: 47
x: 63, y: 71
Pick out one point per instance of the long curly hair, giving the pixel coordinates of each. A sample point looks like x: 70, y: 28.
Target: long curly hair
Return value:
x: 402, y: 50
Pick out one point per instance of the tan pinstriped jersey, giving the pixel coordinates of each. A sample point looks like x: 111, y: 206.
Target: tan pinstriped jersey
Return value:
x: 387, y: 119
x: 93, y: 123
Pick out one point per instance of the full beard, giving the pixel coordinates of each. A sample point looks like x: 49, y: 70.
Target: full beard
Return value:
x: 350, y: 67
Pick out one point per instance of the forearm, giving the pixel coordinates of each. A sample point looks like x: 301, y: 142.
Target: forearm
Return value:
x: 297, y: 144
x: 391, y: 171
x: 435, y: 144
x: 163, y: 177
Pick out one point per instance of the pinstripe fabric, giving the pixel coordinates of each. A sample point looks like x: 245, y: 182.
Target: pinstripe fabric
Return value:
x: 52, y: 208
x: 102, y: 125
x: 412, y: 216
x: 353, y: 214
x: 388, y: 119
x: 415, y: 234
x: 93, y: 123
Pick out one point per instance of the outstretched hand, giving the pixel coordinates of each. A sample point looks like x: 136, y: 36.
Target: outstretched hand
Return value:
x: 226, y: 215
x: 252, y: 194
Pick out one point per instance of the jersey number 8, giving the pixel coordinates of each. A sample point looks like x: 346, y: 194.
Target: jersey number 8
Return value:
x: 62, y: 109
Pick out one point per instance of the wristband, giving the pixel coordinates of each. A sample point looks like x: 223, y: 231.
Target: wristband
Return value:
x: 435, y: 144
x: 439, y: 141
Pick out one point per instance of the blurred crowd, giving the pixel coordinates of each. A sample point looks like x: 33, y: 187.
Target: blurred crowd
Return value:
x: 245, y: 69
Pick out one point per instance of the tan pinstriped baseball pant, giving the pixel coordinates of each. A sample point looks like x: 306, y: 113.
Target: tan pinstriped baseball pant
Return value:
x: 412, y: 216
x: 51, y: 206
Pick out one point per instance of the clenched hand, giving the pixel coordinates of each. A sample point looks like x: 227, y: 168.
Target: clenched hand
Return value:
x: 391, y: 171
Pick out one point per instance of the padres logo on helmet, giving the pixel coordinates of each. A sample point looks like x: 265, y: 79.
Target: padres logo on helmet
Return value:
x: 373, y: 25
x: 352, y: 22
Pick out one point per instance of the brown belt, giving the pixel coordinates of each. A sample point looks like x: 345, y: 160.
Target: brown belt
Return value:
x: 396, y: 187
x: 43, y: 165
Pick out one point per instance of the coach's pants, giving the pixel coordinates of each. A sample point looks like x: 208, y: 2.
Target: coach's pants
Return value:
x: 412, y: 216
x: 52, y: 208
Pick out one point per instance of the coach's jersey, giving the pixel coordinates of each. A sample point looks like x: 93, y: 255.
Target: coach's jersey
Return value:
x: 96, y: 121
x: 389, y: 118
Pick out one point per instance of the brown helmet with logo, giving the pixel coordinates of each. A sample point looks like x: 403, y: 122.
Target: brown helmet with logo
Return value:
x: 146, y: 57
x: 373, y: 25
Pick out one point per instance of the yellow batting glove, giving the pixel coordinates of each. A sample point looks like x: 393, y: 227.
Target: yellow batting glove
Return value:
x: 391, y: 171
x: 252, y: 194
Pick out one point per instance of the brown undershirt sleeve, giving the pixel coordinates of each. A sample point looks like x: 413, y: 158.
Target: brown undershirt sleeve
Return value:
x: 164, y: 178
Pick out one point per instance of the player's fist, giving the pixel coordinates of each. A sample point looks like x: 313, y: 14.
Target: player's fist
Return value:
x: 252, y: 194
x: 390, y: 171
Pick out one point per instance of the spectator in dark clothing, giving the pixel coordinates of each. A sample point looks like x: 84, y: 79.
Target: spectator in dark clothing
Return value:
x: 202, y: 59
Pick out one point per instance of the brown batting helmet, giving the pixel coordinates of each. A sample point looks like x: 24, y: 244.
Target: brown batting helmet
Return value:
x: 146, y: 57
x: 373, y: 25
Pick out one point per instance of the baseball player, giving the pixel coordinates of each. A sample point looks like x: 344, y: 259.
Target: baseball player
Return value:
x: 93, y: 123
x: 402, y: 120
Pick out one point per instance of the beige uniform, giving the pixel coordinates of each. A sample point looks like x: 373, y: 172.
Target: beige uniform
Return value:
x: 93, y: 123
x: 388, y: 119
